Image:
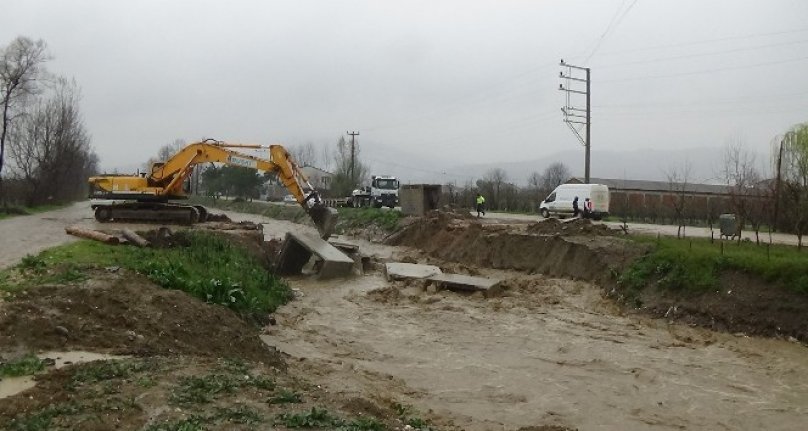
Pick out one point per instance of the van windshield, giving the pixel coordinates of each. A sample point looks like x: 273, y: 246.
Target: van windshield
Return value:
x: 551, y: 198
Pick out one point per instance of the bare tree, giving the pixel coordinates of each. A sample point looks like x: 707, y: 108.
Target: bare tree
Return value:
x: 51, y: 150
x: 21, y: 68
x: 742, y: 178
x: 305, y: 154
x: 343, y: 183
x: 555, y: 175
x: 166, y: 152
x: 492, y: 185
x: 678, y: 179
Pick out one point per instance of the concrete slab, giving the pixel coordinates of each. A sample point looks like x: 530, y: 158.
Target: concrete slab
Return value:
x: 401, y: 271
x: 298, y: 248
x: 466, y: 282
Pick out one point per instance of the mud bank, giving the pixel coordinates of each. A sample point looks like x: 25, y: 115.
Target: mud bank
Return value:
x: 582, y: 251
x: 576, y: 251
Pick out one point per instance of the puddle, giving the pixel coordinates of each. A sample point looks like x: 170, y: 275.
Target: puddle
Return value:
x: 13, y: 385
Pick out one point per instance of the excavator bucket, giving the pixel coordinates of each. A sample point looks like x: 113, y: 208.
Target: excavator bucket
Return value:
x: 325, y: 219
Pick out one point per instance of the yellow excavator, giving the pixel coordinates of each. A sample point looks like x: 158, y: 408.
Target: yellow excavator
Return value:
x: 148, y: 196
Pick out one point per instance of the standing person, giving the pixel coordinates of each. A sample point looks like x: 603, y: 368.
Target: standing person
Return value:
x: 587, y: 208
x: 480, y: 204
x: 575, y: 211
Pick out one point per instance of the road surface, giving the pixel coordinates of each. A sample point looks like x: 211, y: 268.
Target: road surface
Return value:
x: 649, y: 229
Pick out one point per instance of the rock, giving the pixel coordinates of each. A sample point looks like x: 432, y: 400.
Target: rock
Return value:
x: 432, y: 289
x: 61, y: 330
x: 271, y: 320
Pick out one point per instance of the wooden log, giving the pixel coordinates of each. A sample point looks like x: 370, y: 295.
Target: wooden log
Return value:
x: 91, y: 234
x: 135, y: 238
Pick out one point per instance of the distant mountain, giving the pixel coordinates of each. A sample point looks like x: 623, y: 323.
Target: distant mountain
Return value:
x: 634, y: 165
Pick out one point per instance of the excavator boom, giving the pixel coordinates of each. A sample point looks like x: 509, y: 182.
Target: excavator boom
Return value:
x: 150, y: 194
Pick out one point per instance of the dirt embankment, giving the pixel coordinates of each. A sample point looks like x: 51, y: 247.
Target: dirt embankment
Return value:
x: 124, y: 313
x: 576, y: 250
x: 581, y: 250
x: 188, y: 364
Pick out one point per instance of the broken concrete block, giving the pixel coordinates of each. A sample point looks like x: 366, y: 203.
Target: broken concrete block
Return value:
x: 402, y: 271
x: 298, y: 248
x: 466, y: 282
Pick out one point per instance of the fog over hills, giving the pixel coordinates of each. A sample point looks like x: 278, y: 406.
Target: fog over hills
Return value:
x: 648, y: 164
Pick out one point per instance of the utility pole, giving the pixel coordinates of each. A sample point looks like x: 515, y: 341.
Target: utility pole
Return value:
x: 779, y: 176
x: 353, y: 157
x: 575, y: 114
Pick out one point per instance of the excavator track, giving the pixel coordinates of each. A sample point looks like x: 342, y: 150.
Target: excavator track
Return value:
x: 150, y: 212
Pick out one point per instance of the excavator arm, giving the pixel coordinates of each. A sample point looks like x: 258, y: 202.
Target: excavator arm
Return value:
x: 165, y: 181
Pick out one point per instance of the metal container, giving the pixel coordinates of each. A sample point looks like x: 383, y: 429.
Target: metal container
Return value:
x: 728, y: 225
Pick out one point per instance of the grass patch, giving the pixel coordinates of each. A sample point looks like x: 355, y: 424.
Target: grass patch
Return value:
x: 291, y: 212
x: 351, y: 218
x: 193, y: 423
x: 204, y: 389
x: 321, y: 418
x: 41, y: 420
x: 11, y: 211
x: 407, y: 415
x: 25, y: 366
x: 285, y: 396
x: 209, y: 268
x: 696, y: 264
x: 100, y: 371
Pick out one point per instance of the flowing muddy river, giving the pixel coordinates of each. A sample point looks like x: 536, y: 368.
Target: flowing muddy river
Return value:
x: 550, y: 352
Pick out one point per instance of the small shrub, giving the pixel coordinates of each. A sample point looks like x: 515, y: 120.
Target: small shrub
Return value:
x: 25, y: 366
x: 286, y: 397
x: 314, y: 418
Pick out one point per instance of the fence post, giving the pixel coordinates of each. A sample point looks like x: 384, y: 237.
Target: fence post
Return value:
x: 722, y: 248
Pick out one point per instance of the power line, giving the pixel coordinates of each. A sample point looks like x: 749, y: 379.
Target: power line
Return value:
x: 705, y: 41
x: 699, y: 72
x: 704, y: 54
x: 610, y: 28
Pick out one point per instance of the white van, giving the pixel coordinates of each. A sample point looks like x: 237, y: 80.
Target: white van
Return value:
x: 559, y: 202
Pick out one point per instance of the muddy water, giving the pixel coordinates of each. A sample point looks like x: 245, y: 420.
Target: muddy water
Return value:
x: 553, y: 353
x: 13, y: 385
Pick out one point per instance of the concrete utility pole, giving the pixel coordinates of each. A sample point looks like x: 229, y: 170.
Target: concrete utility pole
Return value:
x: 353, y: 157
x: 576, y: 115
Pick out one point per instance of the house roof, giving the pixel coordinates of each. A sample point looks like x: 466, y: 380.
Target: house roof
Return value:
x: 653, y: 186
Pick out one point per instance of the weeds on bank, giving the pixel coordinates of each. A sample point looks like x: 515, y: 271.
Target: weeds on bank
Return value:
x: 696, y: 264
x: 350, y: 218
x: 406, y: 414
x: 209, y: 268
x: 321, y: 418
x: 204, y: 389
x: 99, y: 371
x: 41, y: 420
x: 286, y: 397
x: 25, y: 366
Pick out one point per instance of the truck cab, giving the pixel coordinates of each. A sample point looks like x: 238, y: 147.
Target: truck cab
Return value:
x: 382, y: 192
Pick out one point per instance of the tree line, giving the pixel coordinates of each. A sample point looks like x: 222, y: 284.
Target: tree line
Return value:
x: 45, y: 151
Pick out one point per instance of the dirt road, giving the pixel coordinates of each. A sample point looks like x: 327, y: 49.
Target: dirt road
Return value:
x: 31, y: 234
x: 647, y: 228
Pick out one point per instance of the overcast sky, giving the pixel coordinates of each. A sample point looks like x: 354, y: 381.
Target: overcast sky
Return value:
x: 467, y: 81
